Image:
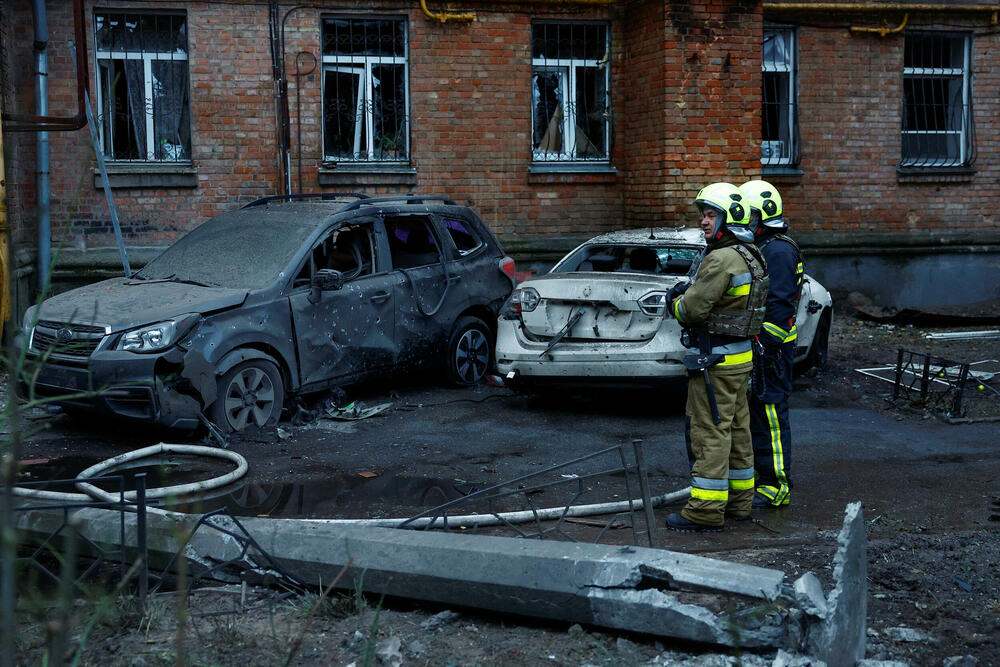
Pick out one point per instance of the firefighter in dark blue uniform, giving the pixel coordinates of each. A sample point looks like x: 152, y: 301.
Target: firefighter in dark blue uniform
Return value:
x: 769, y: 426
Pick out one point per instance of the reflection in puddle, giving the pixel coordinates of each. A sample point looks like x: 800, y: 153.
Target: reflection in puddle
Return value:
x: 340, y: 497
x: 345, y: 496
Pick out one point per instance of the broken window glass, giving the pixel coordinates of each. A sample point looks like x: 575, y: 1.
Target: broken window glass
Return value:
x: 779, y: 104
x: 937, y: 114
x: 143, y: 92
x: 411, y: 242
x: 570, y: 91
x: 365, y: 103
x: 461, y: 233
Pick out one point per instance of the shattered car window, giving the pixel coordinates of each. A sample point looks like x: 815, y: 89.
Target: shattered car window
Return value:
x: 243, y: 249
x: 461, y: 233
x: 348, y: 249
x: 656, y: 260
x: 411, y: 242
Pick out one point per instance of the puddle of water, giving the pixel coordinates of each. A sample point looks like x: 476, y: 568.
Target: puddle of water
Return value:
x: 346, y: 496
x: 165, y: 470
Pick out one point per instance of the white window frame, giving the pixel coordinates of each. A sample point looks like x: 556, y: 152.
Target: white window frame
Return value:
x: 785, y: 158
x: 963, y: 133
x: 147, y: 58
x: 567, y: 68
x: 363, y: 66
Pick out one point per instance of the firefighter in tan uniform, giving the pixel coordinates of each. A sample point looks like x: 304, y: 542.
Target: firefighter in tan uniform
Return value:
x: 720, y: 312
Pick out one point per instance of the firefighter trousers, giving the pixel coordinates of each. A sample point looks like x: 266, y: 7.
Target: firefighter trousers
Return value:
x: 722, y: 472
x: 770, y: 429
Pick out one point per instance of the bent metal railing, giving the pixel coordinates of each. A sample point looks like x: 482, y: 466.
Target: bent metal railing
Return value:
x: 574, y: 491
x: 97, y: 555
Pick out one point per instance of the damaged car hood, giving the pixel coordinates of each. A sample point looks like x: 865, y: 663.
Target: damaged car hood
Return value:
x: 608, y: 306
x: 121, y: 303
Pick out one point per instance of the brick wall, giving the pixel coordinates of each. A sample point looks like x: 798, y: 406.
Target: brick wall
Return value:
x: 851, y: 110
x: 685, y: 102
x: 692, y: 99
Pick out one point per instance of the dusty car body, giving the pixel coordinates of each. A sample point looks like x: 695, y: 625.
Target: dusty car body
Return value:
x: 284, y: 296
x: 599, y: 316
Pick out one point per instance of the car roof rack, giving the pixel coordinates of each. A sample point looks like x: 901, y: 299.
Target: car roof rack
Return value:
x: 411, y: 199
x: 322, y: 196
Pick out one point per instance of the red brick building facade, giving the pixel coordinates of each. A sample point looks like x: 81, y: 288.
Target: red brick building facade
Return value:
x: 881, y: 126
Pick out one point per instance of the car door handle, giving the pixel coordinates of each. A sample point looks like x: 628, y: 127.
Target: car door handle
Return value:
x: 379, y: 297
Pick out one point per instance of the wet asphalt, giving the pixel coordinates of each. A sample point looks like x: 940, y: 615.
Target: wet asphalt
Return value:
x: 435, y: 444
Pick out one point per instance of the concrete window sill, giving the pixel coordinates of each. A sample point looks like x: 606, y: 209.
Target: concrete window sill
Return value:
x: 149, y: 175
x: 540, y: 172
x: 940, y: 175
x: 367, y: 174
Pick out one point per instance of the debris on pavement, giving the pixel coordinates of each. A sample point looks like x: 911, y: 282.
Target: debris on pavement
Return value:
x: 354, y: 411
x: 963, y: 335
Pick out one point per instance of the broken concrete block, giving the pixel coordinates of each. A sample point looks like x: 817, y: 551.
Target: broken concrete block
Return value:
x: 809, y: 595
x: 388, y: 652
x: 909, y: 635
x: 840, y: 638
x: 440, y: 620
x: 960, y: 661
x: 786, y: 659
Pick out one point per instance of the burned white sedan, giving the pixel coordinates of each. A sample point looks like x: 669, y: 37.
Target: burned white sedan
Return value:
x: 599, y: 316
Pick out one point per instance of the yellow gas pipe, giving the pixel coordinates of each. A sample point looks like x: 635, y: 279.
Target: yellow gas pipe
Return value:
x: 471, y: 16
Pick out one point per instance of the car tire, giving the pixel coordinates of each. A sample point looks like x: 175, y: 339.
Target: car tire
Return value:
x: 470, y: 351
x: 816, y: 358
x: 249, y: 394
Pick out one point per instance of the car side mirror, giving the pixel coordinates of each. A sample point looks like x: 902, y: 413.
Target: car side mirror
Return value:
x: 328, y: 279
x: 325, y: 280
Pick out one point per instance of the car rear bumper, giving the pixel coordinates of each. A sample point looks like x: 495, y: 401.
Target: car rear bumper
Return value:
x: 610, y: 362
x: 133, y: 386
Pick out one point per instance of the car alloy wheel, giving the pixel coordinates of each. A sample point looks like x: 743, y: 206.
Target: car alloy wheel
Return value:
x: 251, y: 394
x: 471, y: 351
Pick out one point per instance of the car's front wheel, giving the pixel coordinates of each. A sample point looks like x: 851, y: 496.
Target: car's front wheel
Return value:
x: 250, y: 394
x: 470, y: 351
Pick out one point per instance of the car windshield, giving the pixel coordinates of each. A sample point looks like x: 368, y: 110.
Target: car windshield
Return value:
x: 243, y: 249
x: 623, y: 258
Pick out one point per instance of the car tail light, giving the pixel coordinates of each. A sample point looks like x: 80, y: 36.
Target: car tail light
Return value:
x: 654, y: 304
x: 507, y: 266
x: 521, y: 300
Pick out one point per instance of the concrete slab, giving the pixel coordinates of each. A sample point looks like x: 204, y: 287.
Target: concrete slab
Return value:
x: 628, y: 588
x: 840, y: 638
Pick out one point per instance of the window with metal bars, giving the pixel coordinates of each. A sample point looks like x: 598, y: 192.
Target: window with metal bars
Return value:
x: 779, y: 98
x: 937, y: 93
x: 365, y: 90
x: 570, y: 91
x: 143, y: 92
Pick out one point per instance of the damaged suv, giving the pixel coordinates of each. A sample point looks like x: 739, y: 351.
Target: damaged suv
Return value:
x: 287, y: 295
x: 599, y: 317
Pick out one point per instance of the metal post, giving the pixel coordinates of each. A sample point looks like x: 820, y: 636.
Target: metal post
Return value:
x: 899, y: 374
x: 107, y: 186
x: 140, y: 523
x: 925, y: 378
x: 956, y: 404
x: 647, y: 504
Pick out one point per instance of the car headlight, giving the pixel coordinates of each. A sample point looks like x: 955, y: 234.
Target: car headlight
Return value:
x: 156, y: 337
x: 28, y: 321
x: 654, y: 304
